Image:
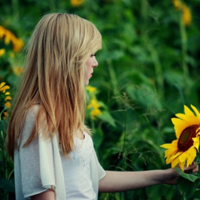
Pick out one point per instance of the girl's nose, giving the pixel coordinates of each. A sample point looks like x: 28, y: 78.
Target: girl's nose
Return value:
x: 95, y: 64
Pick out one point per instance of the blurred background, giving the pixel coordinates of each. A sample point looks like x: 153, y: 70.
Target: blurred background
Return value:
x: 148, y: 70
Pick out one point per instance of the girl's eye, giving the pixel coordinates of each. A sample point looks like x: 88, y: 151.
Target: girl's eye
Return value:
x: 93, y: 55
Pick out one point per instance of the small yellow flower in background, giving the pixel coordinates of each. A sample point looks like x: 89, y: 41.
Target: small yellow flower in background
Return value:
x: 4, y: 100
x: 3, y: 87
x: 7, y: 104
x: 2, y: 52
x: 76, y: 2
x: 91, y: 89
x: 18, y: 70
x: 17, y: 44
x: 10, y: 37
x: 184, y: 149
x: 8, y: 98
x: 95, y: 112
x: 187, y: 18
x: 94, y: 106
x: 177, y: 4
x: 186, y: 13
x: 5, y: 115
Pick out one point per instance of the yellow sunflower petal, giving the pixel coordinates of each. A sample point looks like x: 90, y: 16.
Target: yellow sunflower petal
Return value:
x: 196, y: 111
x: 188, y: 120
x: 170, y: 152
x: 187, y: 111
x: 179, y: 126
x: 191, y: 155
x: 198, y: 131
x: 168, y: 160
x: 181, y: 116
x: 176, y: 155
x: 167, y: 146
x: 175, y: 162
x: 189, y: 116
x: 170, y: 145
x: 177, y: 121
x: 182, y: 165
x: 172, y: 157
x: 196, y: 142
x: 183, y: 157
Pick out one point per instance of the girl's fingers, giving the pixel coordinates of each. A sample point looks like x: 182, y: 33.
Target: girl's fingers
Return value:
x: 195, y: 169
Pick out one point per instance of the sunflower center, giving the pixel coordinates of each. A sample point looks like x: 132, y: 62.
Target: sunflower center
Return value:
x: 185, y: 141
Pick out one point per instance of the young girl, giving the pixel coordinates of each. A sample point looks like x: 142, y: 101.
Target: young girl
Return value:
x: 53, y: 153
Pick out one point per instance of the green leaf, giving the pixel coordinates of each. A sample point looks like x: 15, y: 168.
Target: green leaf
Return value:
x: 7, y: 185
x: 186, y: 187
x: 98, y: 137
x: 1, y: 126
x: 105, y: 116
x: 190, y: 177
x: 197, y: 194
x: 145, y: 95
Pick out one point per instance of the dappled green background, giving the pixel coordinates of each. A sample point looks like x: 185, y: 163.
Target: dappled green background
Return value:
x: 148, y: 69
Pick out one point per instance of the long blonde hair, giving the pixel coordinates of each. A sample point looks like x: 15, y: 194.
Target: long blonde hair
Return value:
x: 57, y: 53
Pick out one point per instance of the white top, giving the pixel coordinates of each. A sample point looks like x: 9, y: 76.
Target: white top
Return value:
x: 41, y: 165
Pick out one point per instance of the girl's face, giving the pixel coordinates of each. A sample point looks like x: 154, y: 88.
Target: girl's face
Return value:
x: 91, y: 63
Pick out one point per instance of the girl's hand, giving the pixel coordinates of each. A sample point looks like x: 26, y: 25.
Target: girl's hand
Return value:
x: 173, y: 174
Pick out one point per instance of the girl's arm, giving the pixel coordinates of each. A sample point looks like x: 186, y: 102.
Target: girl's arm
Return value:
x: 47, y: 195
x: 124, y: 181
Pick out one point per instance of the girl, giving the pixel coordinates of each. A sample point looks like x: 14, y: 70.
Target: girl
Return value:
x: 52, y: 149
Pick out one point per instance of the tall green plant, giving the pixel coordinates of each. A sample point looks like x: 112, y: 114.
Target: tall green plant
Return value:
x: 6, y: 166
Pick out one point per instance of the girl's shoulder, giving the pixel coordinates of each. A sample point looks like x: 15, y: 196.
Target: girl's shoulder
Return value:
x: 32, y: 112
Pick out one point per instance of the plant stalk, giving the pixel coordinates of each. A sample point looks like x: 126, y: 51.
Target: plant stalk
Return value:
x: 184, y: 50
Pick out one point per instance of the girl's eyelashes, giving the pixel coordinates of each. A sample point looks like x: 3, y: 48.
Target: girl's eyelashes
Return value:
x: 93, y: 55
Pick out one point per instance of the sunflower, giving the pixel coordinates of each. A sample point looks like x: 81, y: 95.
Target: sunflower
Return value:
x: 184, y: 149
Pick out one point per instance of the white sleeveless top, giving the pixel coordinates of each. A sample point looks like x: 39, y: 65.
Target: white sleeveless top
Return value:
x: 77, y: 175
x: 41, y: 165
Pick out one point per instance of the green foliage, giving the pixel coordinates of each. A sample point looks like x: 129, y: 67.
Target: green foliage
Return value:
x: 7, y: 187
x: 148, y: 69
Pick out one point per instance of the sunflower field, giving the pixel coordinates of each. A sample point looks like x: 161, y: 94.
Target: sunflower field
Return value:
x: 144, y: 96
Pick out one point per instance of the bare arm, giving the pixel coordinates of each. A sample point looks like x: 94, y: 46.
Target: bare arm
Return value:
x: 47, y: 195
x: 123, y: 181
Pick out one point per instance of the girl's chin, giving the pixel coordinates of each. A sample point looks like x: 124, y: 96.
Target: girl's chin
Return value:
x: 86, y: 83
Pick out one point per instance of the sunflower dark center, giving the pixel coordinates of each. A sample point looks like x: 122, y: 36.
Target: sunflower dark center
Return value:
x: 185, y: 141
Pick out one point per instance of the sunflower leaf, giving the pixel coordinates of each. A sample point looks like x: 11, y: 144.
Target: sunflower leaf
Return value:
x: 190, y: 177
x: 186, y: 188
